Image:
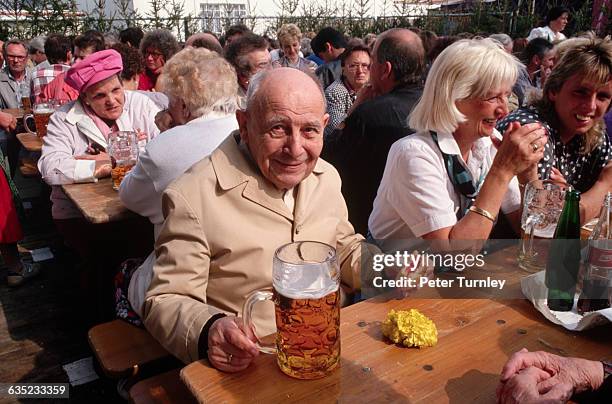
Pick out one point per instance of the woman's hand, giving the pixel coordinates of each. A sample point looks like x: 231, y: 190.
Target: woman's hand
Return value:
x: 229, y: 348
x: 521, y: 148
x: 100, y: 156
x: 103, y: 163
x: 556, y: 176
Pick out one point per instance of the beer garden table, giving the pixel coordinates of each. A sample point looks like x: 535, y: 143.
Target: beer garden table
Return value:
x: 98, y: 201
x: 475, y: 339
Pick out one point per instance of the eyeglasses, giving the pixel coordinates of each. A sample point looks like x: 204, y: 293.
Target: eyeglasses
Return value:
x: 363, y: 66
x: 16, y: 57
x: 153, y: 54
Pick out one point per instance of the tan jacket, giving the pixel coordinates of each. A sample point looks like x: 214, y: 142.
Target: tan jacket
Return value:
x: 223, y: 223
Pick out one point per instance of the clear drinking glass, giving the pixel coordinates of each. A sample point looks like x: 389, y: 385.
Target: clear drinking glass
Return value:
x: 41, y: 113
x: 306, y: 296
x: 542, y: 205
x: 123, y: 152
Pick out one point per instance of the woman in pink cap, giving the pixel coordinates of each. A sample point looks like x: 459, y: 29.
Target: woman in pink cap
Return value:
x: 74, y: 149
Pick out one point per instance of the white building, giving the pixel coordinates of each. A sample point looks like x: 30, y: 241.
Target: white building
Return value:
x: 216, y: 14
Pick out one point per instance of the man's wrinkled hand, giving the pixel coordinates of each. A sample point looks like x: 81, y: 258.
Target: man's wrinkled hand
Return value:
x: 229, y: 348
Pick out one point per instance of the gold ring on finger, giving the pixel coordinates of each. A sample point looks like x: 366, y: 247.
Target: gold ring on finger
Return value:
x: 229, y: 359
x: 535, y: 147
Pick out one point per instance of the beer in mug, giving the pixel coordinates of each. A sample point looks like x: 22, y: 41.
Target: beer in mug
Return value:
x: 123, y: 152
x: 41, y: 114
x: 306, y: 297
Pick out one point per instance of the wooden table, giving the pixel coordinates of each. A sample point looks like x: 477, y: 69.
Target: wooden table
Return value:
x: 18, y: 113
x: 30, y: 141
x: 475, y: 339
x: 98, y: 201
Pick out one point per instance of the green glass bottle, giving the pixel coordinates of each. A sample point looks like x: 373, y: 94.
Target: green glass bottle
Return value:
x: 564, y: 255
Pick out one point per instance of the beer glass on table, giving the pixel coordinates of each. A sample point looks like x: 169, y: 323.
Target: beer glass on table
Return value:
x: 306, y: 296
x: 542, y: 205
x: 41, y: 114
x: 123, y: 152
x: 26, y: 103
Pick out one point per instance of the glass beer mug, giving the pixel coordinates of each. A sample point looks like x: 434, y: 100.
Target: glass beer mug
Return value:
x: 123, y: 152
x: 542, y: 205
x: 306, y: 296
x: 41, y: 113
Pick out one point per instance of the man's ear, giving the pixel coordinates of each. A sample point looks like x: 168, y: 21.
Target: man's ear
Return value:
x: 536, y: 60
x: 387, y: 70
x: 325, y: 120
x: 241, y: 117
x: 328, y: 47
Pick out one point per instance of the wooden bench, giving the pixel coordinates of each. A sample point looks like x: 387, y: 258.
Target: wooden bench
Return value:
x: 30, y: 141
x: 123, y: 349
x: 164, y: 388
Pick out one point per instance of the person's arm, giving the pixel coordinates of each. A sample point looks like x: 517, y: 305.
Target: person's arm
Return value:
x: 591, y: 201
x: 514, y: 156
x: 138, y: 193
x: 58, y: 165
x: 176, y: 310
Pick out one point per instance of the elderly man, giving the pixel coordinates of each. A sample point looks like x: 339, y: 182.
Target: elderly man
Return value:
x: 379, y: 117
x: 14, y: 78
x: 14, y: 82
x: 37, y: 52
x: 263, y: 187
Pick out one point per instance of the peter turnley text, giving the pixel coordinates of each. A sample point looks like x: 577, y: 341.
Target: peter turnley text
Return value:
x: 423, y: 281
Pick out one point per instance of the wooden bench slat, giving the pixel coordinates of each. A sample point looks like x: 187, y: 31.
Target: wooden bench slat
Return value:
x: 121, y: 348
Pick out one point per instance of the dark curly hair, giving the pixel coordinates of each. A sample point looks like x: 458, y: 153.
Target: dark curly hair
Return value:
x: 133, y: 63
x: 161, y: 40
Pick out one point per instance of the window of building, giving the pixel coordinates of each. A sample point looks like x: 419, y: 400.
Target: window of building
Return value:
x: 215, y: 16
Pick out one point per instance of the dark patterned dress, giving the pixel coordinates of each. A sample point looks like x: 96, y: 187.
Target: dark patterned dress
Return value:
x: 580, y: 171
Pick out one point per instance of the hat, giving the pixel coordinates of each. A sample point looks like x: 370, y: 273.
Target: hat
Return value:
x: 94, y: 68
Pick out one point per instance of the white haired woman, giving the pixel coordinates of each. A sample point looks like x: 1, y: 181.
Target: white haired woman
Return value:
x: 289, y: 37
x: 203, y: 91
x: 451, y: 178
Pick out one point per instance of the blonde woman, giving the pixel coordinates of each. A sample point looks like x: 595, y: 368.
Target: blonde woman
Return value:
x: 202, y: 90
x: 576, y: 96
x: 451, y: 178
x: 289, y: 37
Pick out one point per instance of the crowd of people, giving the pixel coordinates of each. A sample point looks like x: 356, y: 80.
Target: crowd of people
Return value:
x: 346, y: 141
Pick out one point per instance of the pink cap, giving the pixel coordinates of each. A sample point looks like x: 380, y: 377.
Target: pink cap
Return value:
x: 94, y: 68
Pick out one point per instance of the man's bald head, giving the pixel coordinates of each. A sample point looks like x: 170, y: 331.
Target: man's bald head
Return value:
x: 287, y: 81
x: 403, y: 49
x: 283, y: 125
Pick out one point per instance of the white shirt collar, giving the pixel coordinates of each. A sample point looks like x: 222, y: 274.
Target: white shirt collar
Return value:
x: 481, y: 147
